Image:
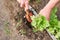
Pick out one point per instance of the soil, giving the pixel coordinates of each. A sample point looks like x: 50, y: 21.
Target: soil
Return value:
x: 12, y: 18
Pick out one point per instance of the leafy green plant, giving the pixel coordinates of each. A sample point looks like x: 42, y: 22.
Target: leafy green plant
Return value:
x: 39, y: 22
x: 54, y: 24
x: 53, y: 21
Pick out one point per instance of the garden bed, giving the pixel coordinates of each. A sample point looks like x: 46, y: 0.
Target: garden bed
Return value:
x: 23, y: 27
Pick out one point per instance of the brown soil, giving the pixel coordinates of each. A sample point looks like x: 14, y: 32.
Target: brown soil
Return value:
x: 12, y: 15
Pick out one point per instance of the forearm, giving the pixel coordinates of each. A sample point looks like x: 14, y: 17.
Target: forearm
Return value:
x: 51, y: 4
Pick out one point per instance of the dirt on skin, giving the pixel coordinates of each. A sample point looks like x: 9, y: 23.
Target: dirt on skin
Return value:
x: 12, y: 19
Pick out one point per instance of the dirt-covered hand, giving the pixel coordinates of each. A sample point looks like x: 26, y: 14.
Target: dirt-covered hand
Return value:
x: 24, y: 4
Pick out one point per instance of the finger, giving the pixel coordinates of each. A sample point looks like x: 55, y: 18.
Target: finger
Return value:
x: 26, y: 5
x: 22, y: 3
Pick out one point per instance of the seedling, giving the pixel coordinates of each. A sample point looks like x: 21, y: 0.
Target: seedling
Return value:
x: 6, y: 28
x: 22, y: 31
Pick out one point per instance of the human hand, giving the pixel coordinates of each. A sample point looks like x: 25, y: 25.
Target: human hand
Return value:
x: 45, y: 13
x: 47, y: 9
x: 24, y: 4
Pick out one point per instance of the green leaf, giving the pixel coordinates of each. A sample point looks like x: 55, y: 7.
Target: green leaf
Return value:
x: 39, y: 22
x: 57, y: 35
